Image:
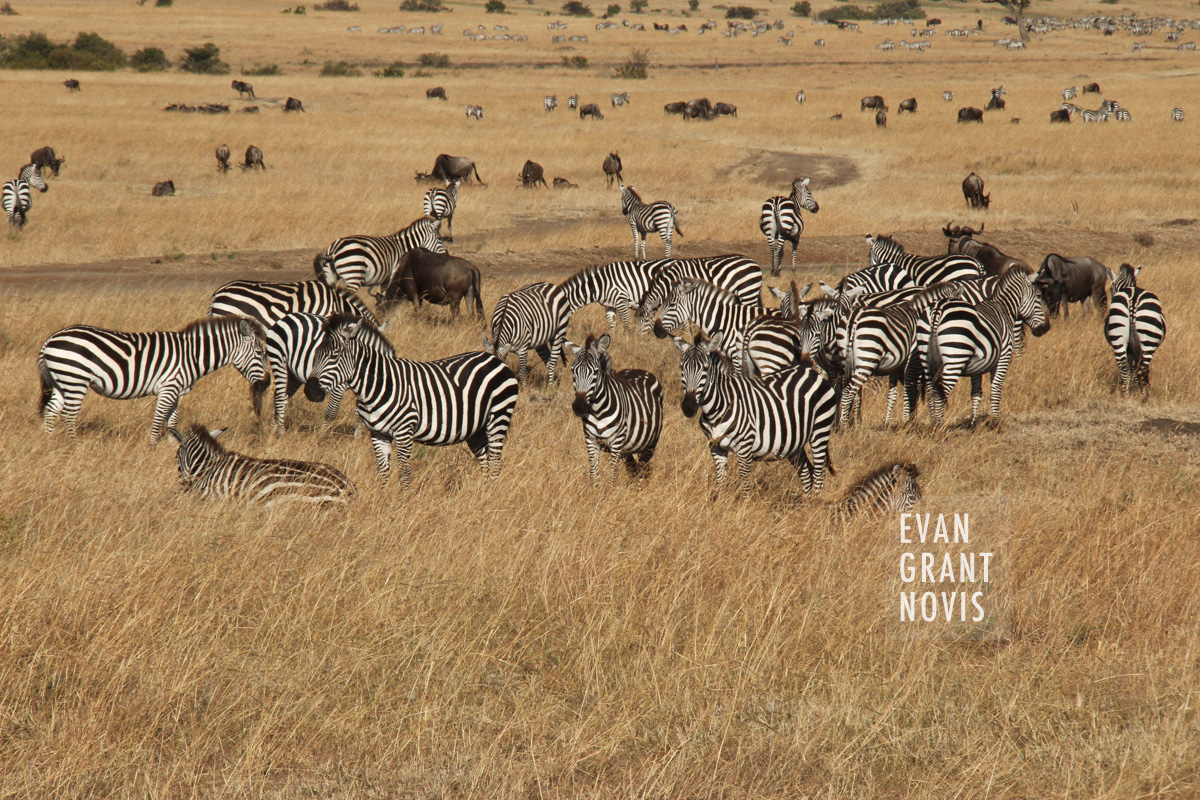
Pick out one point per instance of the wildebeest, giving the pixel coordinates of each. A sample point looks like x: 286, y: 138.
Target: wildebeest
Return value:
x: 447, y: 168
x: 436, y: 91
x: 612, y: 168
x: 960, y: 241
x: 972, y: 187
x: 699, y: 104
x: 590, y: 110
x: 724, y: 110
x: 254, y: 158
x: 881, y: 118
x: 438, y: 278
x: 1073, y: 280
x: 71, y: 84
x: 874, y: 101
x: 563, y: 183
x: 970, y: 114
x: 45, y: 158
x: 909, y: 105
x: 243, y: 88
x: 292, y: 104
x: 1091, y: 88
x: 675, y: 108
x: 996, y: 102
x: 532, y: 174
x: 1060, y: 115
x: 163, y: 189
x: 223, y: 158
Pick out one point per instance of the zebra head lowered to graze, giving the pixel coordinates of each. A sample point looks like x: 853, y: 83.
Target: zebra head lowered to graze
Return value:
x: 710, y: 308
x: 1135, y: 327
x: 734, y: 273
x: 216, y: 473
x: 532, y: 318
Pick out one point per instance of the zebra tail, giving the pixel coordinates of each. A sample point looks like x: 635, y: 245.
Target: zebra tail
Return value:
x: 1134, y: 351
x: 322, y: 266
x: 675, y: 222
x: 935, y: 365
x: 47, y: 381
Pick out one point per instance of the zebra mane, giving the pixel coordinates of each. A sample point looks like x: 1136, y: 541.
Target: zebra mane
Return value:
x: 634, y: 192
x: 205, y: 438
x: 886, y: 469
x: 338, y: 321
x: 419, y: 221
x: 710, y: 289
x: 224, y: 321
x: 889, y: 240
x: 947, y: 290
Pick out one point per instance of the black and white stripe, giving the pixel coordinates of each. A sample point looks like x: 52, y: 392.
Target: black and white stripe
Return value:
x: 573, y: 102
x: 269, y: 302
x: 124, y: 365
x: 550, y: 101
x: 711, y: 309
x: 534, y: 317
x: 924, y: 270
x: 753, y: 418
x: 618, y: 286
x: 622, y: 411
x: 371, y: 260
x: 474, y: 112
x: 647, y: 218
x: 440, y: 204
x: 890, y: 489
x: 1177, y: 114
x: 620, y: 99
x: 872, y: 280
x: 1135, y: 327
x: 17, y: 195
x: 735, y: 273
x: 781, y: 221
x: 465, y: 398
x: 216, y: 473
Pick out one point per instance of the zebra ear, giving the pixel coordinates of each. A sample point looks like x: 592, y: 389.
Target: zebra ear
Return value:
x: 1112, y: 276
x: 803, y: 292
x: 1031, y: 277
x: 778, y: 293
x: 384, y: 326
x: 805, y: 181
x: 176, y: 435
x: 714, y: 342
x: 688, y: 285
x: 351, y: 329
x: 680, y: 344
x: 487, y: 344
x: 572, y: 348
x: 602, y: 343
x: 829, y: 291
x: 216, y: 432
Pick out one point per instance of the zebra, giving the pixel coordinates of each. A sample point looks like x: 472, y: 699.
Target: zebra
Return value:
x: 371, y: 260
x: 619, y: 99
x: 464, y: 398
x: 780, y: 221
x: 17, y: 196
x: 710, y: 308
x: 924, y: 270
x: 214, y: 472
x: 1177, y: 115
x: 645, y: 218
x: 973, y: 339
x: 533, y: 317
x: 573, y: 102
x: 440, y: 204
x: 734, y: 273
x: 801, y: 97
x: 1135, y: 327
x: 474, y: 112
x: 757, y: 418
x: 550, y: 101
x: 1123, y: 115
x: 892, y: 488
x: 267, y: 303
x: 618, y: 286
x: 622, y: 411
x: 948, y: 96
x: 1070, y: 94
x: 124, y: 366
x: 872, y: 280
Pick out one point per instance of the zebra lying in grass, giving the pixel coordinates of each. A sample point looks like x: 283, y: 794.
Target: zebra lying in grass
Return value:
x: 214, y: 472
x: 892, y: 488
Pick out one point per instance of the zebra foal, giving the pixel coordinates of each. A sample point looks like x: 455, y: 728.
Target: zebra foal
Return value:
x: 781, y: 221
x: 622, y: 411
x: 535, y: 317
x: 892, y: 488
x: 216, y: 473
x: 1135, y: 327
x: 647, y: 218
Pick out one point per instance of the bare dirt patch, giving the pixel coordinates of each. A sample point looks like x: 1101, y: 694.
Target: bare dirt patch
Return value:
x: 772, y: 167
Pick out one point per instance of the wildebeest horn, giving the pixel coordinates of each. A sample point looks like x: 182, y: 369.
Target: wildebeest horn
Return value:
x: 951, y: 230
x: 971, y: 231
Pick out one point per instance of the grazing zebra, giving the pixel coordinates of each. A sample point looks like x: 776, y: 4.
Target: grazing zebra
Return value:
x: 620, y: 99
x: 618, y: 286
x: 800, y: 97
x: 550, y: 101
x: 1123, y: 115
x: 535, y: 317
x: 948, y: 96
x: 924, y: 270
x: 267, y: 303
x: 1135, y: 327
x: 465, y: 398
x: 646, y: 218
x: 622, y: 411
x: 474, y: 112
x: 974, y: 339
x: 1177, y: 115
x: 757, y: 418
x: 780, y: 221
x: 872, y: 280
x: 124, y: 366
x: 215, y: 472
x: 573, y: 102
x: 440, y: 204
x: 371, y: 260
x: 17, y: 196
x: 711, y: 309
x: 1070, y: 94
x: 889, y: 489
x: 736, y: 274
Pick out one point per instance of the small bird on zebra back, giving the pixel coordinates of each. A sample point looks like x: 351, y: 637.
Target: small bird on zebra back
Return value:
x: 890, y: 489
x: 216, y: 473
x: 1135, y: 328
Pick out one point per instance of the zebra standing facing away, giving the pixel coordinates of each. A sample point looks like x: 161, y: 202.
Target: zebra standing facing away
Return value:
x: 1177, y: 115
x: 800, y: 97
x: 465, y: 398
x: 573, y: 102
x: 535, y: 317
x: 924, y: 270
x: 206, y: 466
x: 440, y: 204
x: 781, y: 221
x: 622, y: 411
x: 647, y: 218
x: 892, y: 488
x: 371, y: 260
x: 124, y: 366
x: 550, y: 101
x: 267, y: 303
x: 618, y: 286
x: 1135, y: 327
x: 17, y: 196
x: 758, y: 418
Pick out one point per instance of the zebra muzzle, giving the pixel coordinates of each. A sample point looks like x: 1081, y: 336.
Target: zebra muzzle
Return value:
x: 689, y: 406
x: 581, y: 406
x: 313, y: 390
x: 257, y: 389
x: 660, y: 330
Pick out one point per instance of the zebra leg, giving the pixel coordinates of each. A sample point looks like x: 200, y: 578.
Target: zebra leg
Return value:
x: 382, y: 444
x: 623, y: 311
x: 744, y: 464
x: 976, y: 396
x: 478, y: 444
x: 720, y: 459
x: 666, y: 240
x: 850, y: 396
x: 593, y: 453
x: 637, y: 238
x: 997, y: 385
x: 449, y: 237
x: 522, y: 366
x: 404, y: 448
x: 820, y: 458
x: 1123, y: 373
x: 891, y: 401
x: 55, y: 406
x: 612, y: 320
x: 777, y: 255
x: 166, y: 414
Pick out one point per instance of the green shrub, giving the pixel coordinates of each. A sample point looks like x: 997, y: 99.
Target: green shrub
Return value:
x: 694, y: 5
x: 907, y: 9
x: 164, y: 3
x: 269, y: 69
x: 336, y: 5
x: 802, y: 8
x: 612, y: 10
x: 8, y: 11
x: 575, y: 62
x: 637, y: 6
x: 339, y: 69
x: 437, y: 60
x: 495, y: 7
x: 89, y: 51
x: 637, y: 66
x: 204, y: 60
x: 428, y: 6
x: 575, y: 8
x: 393, y: 70
x: 740, y: 12
x: 296, y: 10
x: 149, y: 59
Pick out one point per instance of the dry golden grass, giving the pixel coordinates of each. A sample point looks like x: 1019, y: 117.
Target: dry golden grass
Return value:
x: 535, y: 636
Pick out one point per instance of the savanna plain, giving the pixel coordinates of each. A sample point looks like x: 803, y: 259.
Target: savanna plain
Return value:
x: 535, y: 636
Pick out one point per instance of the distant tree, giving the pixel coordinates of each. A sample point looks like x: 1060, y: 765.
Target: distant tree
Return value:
x: 428, y: 6
x: 802, y: 8
x: 694, y: 5
x: 575, y: 8
x: 1018, y: 9
x: 8, y: 11
x: 163, y: 3
x: 439, y: 60
x: 638, y: 6
x: 637, y: 66
x: 149, y: 59
x: 740, y: 12
x: 393, y: 70
x: 204, y: 60
x: 495, y: 7
x: 612, y: 10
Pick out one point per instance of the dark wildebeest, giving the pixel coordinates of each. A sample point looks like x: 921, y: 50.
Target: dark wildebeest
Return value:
x: 439, y: 278
x: 675, y: 108
x: 697, y: 112
x: 243, y: 88
x: 71, y: 84
x: 909, y: 105
x: 874, y: 101
x: 881, y: 118
x: 972, y: 187
x: 960, y: 241
x: 436, y: 91
x: 223, y: 158
x: 532, y: 174
x: 997, y: 102
x: 612, y: 168
x: 254, y: 158
x: 590, y: 110
x: 164, y: 189
x: 1061, y: 115
x: 724, y: 110
x: 699, y: 103
x: 563, y: 183
x: 447, y: 168
x: 45, y: 158
x: 1091, y: 88
x: 292, y: 104
x: 1074, y: 280
x: 970, y: 114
